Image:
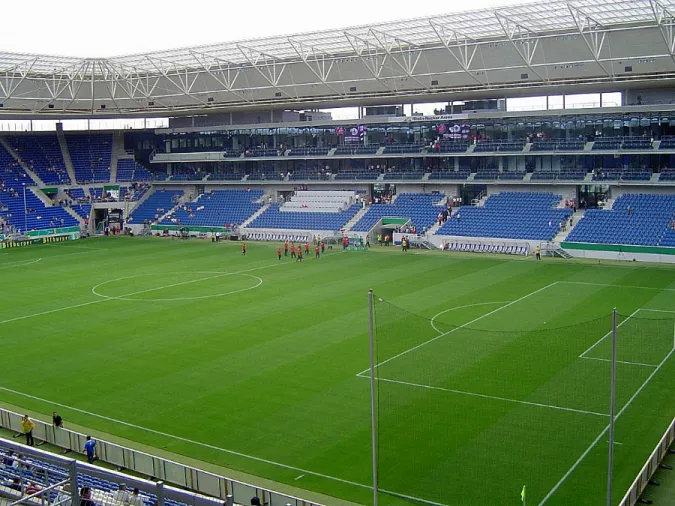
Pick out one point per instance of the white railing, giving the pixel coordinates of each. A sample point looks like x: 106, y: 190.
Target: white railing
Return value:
x: 652, y: 464
x: 167, y: 471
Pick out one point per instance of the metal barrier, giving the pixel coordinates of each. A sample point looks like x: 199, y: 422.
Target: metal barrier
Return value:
x: 650, y: 466
x: 158, y: 468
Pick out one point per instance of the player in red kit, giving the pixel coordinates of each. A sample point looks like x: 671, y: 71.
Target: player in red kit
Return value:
x: 243, y: 249
x: 286, y: 249
x: 316, y: 252
x: 299, y: 259
x: 279, y: 253
x: 306, y: 248
x: 292, y: 250
x: 323, y: 246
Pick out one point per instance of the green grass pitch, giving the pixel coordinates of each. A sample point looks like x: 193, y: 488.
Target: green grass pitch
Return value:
x: 265, y: 361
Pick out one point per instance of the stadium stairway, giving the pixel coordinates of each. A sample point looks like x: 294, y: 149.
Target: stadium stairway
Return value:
x: 30, y: 173
x: 183, y: 200
x: 255, y: 215
x: 39, y: 194
x: 357, y: 217
x: 66, y: 155
x: 72, y: 212
x: 117, y: 152
x: 562, y: 234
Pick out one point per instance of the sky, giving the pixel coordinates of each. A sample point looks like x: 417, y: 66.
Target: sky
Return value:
x: 95, y: 28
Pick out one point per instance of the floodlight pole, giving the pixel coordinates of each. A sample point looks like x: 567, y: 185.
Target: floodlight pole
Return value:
x: 373, y: 412
x: 612, y: 407
x: 25, y: 212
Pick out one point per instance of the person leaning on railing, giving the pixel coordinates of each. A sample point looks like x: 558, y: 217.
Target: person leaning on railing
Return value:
x: 27, y: 425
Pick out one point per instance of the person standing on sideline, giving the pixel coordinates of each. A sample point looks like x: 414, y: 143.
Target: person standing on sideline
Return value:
x: 243, y: 249
x: 28, y: 425
x: 57, y: 420
x: 537, y: 253
x: 90, y: 449
x: 279, y: 253
x: 316, y: 251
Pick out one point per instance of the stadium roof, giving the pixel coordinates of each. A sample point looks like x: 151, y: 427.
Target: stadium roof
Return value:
x: 395, y: 60
x: 537, y: 17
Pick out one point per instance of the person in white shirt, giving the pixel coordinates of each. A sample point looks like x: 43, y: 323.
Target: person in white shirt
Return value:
x: 122, y: 495
x: 136, y: 499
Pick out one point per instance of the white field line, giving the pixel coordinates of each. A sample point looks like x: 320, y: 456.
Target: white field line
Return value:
x: 602, y: 434
x: 656, y: 310
x: 433, y: 318
x: 617, y: 286
x: 98, y: 301
x: 212, y: 447
x: 619, y: 361
x: 583, y: 355
x: 461, y: 326
x: 20, y: 263
x: 485, y: 396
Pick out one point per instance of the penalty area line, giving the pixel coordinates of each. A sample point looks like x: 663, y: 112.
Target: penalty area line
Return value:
x: 212, y: 447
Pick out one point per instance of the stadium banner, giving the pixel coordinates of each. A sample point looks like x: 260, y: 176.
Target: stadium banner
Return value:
x: 20, y: 244
x: 53, y: 231
x: 618, y: 248
x: 395, y: 221
x: 178, y: 228
x: 50, y: 191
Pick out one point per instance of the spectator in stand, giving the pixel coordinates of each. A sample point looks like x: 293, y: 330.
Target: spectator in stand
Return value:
x: 122, y: 495
x: 64, y: 497
x: 57, y: 420
x: 85, y: 497
x: 136, y: 499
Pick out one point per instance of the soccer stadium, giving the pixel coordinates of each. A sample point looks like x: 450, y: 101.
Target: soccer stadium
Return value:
x: 480, y: 204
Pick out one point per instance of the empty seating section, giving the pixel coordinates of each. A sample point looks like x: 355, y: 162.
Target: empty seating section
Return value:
x: 452, y: 147
x: 217, y: 209
x: 155, y: 206
x: 38, y: 215
x: 356, y: 150
x: 309, y: 151
x: 635, y: 143
x: 273, y: 217
x: 667, y: 175
x: 310, y: 210
x: 505, y: 146
x: 479, y: 247
x: 82, y: 210
x: 667, y: 143
x: 91, y: 156
x: 562, y: 175
x: 557, y: 145
x: 603, y: 144
x: 129, y: 169
x: 404, y: 174
x: 42, y: 154
x: 512, y: 175
x: 623, y: 175
x: 399, y: 149
x: 509, y: 215
x: 638, y: 219
x: 418, y: 207
x: 450, y: 174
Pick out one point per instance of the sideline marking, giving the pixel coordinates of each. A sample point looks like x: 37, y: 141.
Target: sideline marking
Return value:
x: 583, y: 355
x: 212, y: 447
x: 617, y: 286
x: 433, y: 318
x: 20, y: 263
x: 602, y: 434
x: 218, y: 275
x: 485, y: 396
x: 461, y: 326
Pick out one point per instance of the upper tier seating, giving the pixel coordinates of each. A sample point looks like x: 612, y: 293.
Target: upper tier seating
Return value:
x: 645, y: 224
x: 450, y: 174
x: 398, y: 149
x: 418, y: 207
x: 130, y: 170
x: 91, y: 156
x: 217, y: 208
x: 156, y: 205
x: 509, y: 215
x: 562, y: 174
x: 623, y: 175
x: 356, y: 150
x: 557, y: 145
x: 606, y: 143
x: 42, y: 154
x: 309, y: 151
x: 40, y: 217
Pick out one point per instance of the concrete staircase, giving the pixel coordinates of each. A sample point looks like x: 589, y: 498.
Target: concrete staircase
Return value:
x: 14, y: 154
x: 46, y: 200
x: 562, y: 234
x: 254, y: 216
x: 74, y: 215
x: 66, y: 155
x: 117, y: 152
x: 180, y: 202
x: 355, y: 219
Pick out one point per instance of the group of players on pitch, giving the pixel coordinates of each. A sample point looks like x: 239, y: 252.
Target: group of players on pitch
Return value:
x: 296, y: 252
